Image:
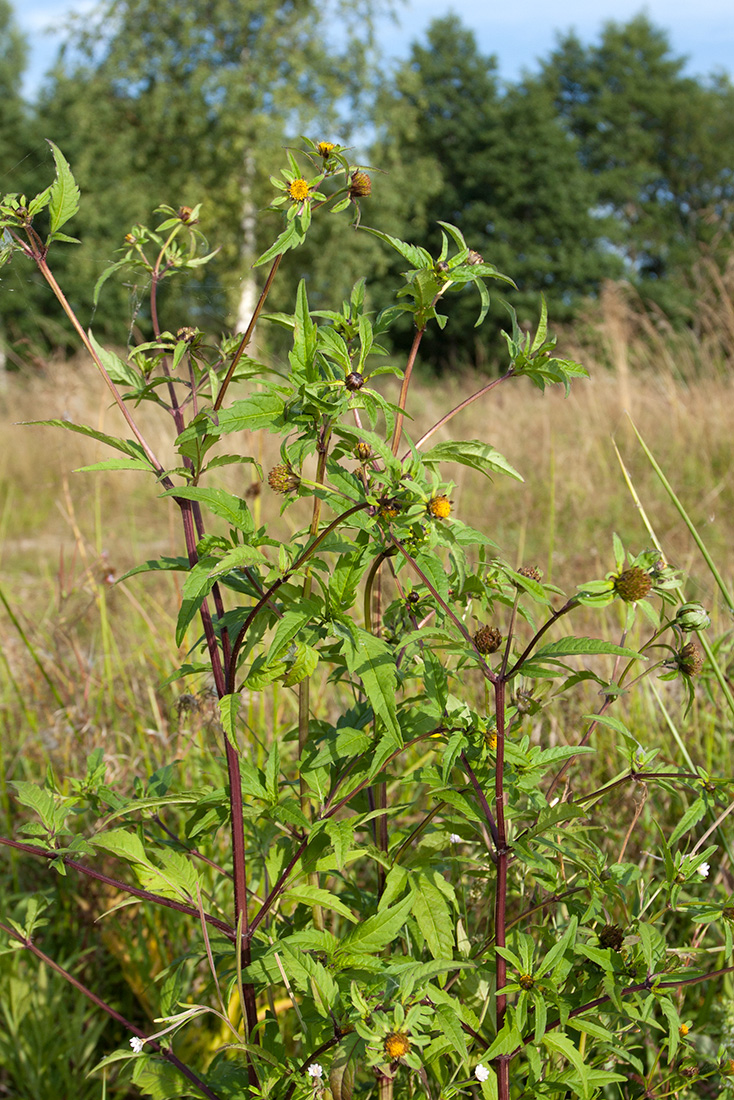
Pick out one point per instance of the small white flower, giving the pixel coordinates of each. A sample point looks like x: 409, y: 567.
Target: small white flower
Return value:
x: 481, y: 1072
x: 455, y: 838
x: 315, y: 1070
x: 703, y: 870
x: 137, y: 1044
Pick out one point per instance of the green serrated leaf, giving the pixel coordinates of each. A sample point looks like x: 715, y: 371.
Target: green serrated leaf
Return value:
x: 64, y: 193
x: 314, y: 895
x: 372, y: 660
x: 433, y: 917
x: 567, y: 647
x: 376, y: 932
x: 197, y: 586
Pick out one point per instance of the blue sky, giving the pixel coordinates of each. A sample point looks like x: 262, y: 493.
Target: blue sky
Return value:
x: 518, y: 31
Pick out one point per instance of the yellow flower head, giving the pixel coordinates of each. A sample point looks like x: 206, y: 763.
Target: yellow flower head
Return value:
x: 324, y: 148
x: 397, y: 1044
x: 299, y: 190
x: 683, y: 1030
x: 440, y: 507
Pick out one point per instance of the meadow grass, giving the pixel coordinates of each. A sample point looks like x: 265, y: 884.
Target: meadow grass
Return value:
x: 83, y: 658
x: 84, y: 661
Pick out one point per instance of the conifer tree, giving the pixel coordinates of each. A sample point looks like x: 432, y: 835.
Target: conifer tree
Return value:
x: 658, y: 145
x: 497, y: 164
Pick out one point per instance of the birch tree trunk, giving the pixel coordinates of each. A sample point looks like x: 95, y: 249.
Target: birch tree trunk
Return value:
x: 248, y: 286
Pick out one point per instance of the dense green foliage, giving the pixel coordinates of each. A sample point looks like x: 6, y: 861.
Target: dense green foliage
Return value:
x: 608, y: 162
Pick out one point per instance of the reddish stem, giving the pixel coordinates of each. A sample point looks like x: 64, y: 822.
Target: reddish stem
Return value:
x: 500, y: 913
x: 248, y: 333
x: 404, y: 389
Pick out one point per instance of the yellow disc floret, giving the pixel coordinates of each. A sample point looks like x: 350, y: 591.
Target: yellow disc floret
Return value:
x: 440, y: 506
x: 299, y: 190
x: 324, y: 148
x: 397, y: 1045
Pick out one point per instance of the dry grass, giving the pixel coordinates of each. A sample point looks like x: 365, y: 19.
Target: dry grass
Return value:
x: 107, y: 649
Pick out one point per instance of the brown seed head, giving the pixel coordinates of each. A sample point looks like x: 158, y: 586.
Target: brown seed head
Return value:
x: 474, y: 257
x: 354, y: 381
x: 531, y: 572
x: 184, y: 213
x: 281, y: 479
x: 360, y: 186
x: 612, y: 936
x: 633, y: 584
x: 187, y: 333
x: 690, y: 659
x: 363, y: 452
x: 487, y: 640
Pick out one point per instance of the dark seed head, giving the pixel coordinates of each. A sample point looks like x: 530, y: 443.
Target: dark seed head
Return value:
x: 690, y: 659
x: 612, y: 936
x: 633, y: 584
x: 487, y: 640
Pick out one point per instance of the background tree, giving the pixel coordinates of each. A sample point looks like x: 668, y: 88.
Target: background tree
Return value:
x: 16, y: 144
x: 183, y: 102
x: 658, y: 145
x: 497, y: 164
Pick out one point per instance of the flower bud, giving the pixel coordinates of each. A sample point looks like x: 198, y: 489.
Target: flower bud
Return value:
x: 324, y: 148
x: 691, y: 616
x: 363, y: 452
x: 184, y: 213
x: 474, y: 257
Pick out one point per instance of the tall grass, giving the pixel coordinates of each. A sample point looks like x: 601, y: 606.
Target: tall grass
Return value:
x: 83, y: 658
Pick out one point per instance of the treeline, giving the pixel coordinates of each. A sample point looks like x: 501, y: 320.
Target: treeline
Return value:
x: 607, y: 161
